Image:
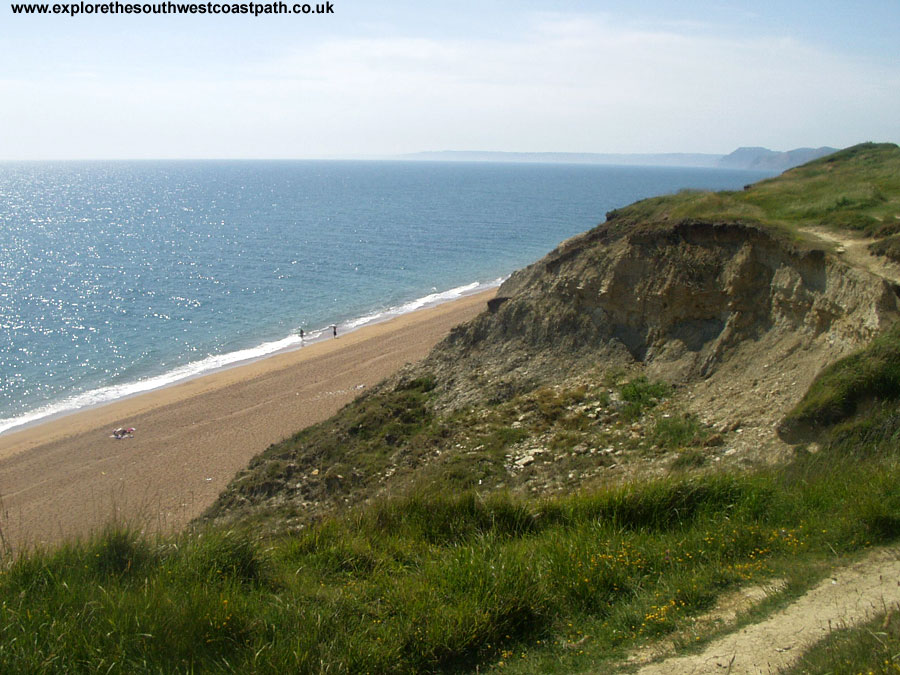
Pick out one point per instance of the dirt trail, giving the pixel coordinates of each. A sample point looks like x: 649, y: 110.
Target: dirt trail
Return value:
x: 855, y: 251
x: 848, y: 596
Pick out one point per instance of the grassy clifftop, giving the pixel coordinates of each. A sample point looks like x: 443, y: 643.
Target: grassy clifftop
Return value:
x: 532, y: 396
x: 855, y: 189
x: 563, y: 514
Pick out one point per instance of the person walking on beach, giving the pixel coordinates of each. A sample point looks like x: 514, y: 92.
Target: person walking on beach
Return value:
x: 301, y: 335
x: 334, y: 329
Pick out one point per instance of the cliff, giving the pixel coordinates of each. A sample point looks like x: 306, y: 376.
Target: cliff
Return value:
x: 588, y: 477
x: 763, y: 159
x: 734, y: 300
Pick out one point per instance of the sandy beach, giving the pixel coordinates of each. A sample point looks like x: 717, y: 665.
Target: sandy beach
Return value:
x: 68, y: 477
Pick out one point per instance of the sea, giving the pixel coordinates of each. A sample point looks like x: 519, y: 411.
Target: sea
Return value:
x: 121, y: 277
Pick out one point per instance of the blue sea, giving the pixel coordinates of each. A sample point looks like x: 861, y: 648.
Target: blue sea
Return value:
x: 120, y: 277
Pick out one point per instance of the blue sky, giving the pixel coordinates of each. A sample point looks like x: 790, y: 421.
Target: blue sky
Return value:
x: 382, y: 78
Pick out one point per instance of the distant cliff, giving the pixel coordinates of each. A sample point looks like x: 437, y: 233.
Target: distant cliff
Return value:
x: 761, y: 159
x: 764, y: 159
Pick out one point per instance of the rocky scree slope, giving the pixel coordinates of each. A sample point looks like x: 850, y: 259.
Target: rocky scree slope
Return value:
x: 738, y: 314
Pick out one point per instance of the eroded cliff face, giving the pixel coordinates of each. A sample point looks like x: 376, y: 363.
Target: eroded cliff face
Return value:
x: 683, y: 300
x: 738, y: 319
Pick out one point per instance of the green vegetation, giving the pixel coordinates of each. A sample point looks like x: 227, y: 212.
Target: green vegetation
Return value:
x: 679, y: 431
x: 436, y: 582
x: 689, y: 458
x: 873, y: 647
x: 347, y: 454
x: 391, y: 440
x: 852, y: 189
x: 398, y: 538
x: 888, y: 247
x: 841, y: 390
x: 642, y: 394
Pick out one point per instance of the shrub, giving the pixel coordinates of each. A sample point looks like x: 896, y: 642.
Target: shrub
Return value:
x: 678, y: 431
x: 641, y: 394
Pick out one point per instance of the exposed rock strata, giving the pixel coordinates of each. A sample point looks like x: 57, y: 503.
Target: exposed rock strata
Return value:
x: 737, y: 318
x: 681, y: 299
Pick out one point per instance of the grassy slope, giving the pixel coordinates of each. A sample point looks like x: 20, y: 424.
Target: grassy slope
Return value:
x: 857, y: 188
x: 845, y: 387
x: 392, y: 441
x: 444, y: 579
x: 443, y: 582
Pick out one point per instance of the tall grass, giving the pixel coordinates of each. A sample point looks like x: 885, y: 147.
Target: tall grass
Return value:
x: 873, y: 647
x: 435, y: 582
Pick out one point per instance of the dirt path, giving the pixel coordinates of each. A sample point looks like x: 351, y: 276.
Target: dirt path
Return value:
x: 855, y: 251
x: 848, y: 596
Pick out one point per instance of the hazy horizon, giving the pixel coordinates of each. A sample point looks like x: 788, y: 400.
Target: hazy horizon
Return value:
x: 374, y: 81
x: 396, y: 157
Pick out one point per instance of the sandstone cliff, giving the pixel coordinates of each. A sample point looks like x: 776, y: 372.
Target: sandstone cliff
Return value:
x: 736, y: 315
x: 681, y: 299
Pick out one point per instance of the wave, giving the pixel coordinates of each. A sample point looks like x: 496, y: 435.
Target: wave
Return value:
x: 430, y: 300
x: 96, y: 397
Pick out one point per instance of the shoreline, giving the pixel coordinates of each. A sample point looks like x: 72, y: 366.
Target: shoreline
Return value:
x: 66, y: 477
x: 217, y: 363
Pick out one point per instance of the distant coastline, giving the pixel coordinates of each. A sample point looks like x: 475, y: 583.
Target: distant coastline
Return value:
x: 749, y: 158
x: 695, y: 160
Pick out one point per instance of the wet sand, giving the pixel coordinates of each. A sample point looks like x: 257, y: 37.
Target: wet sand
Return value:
x: 67, y: 477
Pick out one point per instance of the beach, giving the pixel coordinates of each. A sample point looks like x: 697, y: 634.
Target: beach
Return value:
x: 67, y: 477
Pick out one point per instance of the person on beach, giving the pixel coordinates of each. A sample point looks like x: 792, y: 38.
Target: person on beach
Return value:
x: 301, y: 335
x: 334, y: 329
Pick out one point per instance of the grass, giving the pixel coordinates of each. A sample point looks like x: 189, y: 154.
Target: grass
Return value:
x: 852, y: 189
x: 687, y: 459
x: 888, y: 247
x: 392, y: 440
x: 344, y: 455
x: 641, y: 394
x: 845, y: 387
x: 873, y: 647
x: 678, y: 431
x: 437, y: 582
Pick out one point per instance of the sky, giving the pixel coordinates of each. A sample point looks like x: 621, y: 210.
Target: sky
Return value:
x: 381, y: 78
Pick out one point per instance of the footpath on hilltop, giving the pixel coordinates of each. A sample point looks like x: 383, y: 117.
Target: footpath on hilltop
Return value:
x: 737, y: 299
x: 672, y: 444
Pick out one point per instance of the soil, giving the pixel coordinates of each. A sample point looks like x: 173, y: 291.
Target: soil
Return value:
x: 849, y: 595
x: 855, y: 251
